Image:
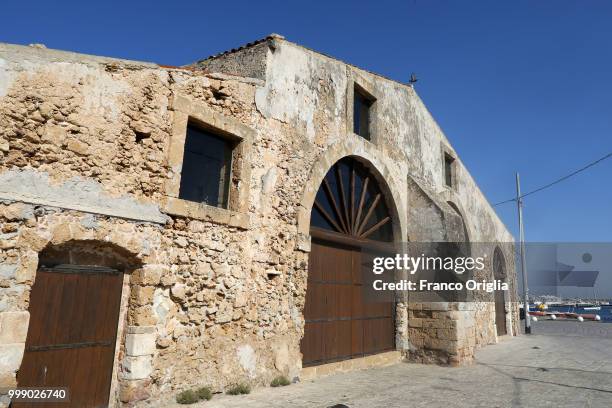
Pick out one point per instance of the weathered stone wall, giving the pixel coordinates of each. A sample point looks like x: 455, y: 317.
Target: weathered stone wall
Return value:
x: 85, y: 144
x: 314, y: 94
x: 86, y: 150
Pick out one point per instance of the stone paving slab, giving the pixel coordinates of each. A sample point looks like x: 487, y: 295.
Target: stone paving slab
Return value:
x: 541, y: 370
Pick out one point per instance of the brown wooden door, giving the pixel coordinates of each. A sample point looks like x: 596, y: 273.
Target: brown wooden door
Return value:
x: 339, y: 323
x: 71, y: 338
x: 500, y: 313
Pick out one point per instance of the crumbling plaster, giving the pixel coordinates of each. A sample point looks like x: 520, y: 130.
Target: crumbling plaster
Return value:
x: 407, y: 134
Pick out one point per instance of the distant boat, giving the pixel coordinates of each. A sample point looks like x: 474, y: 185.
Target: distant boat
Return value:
x: 592, y: 308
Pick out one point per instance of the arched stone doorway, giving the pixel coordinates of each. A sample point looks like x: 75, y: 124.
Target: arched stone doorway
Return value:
x: 350, y: 216
x: 74, y: 310
x: 499, y: 272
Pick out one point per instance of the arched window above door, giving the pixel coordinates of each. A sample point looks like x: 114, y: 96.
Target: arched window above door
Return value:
x: 350, y: 201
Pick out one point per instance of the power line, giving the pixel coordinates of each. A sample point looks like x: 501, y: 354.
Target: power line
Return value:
x: 557, y: 181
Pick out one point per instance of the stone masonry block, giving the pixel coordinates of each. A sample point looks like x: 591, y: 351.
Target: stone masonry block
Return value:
x: 438, y: 306
x: 7, y: 381
x: 137, y: 368
x: 13, y: 327
x: 149, y: 274
x: 7, y: 271
x: 30, y: 239
x: 140, y: 344
x: 447, y: 334
x: 10, y: 357
x: 142, y: 295
x: 27, y: 267
x: 132, y: 391
x: 434, y: 323
x: 142, y: 316
x: 415, y: 322
x: 140, y: 329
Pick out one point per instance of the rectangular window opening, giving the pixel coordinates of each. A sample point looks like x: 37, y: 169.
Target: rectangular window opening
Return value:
x: 362, y: 103
x: 207, y: 164
x: 448, y: 169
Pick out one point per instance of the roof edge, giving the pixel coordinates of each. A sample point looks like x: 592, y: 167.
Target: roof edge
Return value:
x: 242, y: 47
x: 275, y: 36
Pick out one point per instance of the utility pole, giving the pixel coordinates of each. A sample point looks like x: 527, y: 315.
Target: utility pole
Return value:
x: 519, y: 203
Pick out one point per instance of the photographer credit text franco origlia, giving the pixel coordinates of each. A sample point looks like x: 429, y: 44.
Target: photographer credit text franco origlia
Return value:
x: 458, y: 265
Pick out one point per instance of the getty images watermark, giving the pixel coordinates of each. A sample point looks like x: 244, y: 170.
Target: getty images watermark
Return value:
x: 461, y: 266
x: 438, y: 271
x: 560, y: 274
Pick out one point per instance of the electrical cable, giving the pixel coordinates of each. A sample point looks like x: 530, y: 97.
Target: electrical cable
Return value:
x: 557, y: 181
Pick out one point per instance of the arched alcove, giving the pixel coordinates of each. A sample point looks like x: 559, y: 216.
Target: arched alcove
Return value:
x: 89, y: 252
x: 466, y: 235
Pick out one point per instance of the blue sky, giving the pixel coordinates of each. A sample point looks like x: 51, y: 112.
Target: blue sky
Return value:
x: 516, y: 86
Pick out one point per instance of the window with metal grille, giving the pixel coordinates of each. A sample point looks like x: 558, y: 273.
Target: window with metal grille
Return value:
x: 207, y: 164
x: 362, y: 104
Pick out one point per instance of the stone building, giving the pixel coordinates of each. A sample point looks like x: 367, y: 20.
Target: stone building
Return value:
x: 160, y: 224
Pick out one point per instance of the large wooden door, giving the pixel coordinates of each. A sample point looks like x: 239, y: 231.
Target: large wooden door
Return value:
x: 340, y: 322
x: 74, y: 314
x: 350, y: 213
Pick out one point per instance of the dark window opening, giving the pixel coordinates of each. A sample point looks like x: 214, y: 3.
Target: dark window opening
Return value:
x: 207, y: 163
x: 361, y: 113
x: 448, y: 169
x: 140, y: 136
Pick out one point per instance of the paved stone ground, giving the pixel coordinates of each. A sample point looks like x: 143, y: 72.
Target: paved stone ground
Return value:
x: 564, y: 364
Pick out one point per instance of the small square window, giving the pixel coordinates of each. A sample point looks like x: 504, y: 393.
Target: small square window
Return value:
x: 362, y: 103
x: 448, y: 169
x: 207, y: 163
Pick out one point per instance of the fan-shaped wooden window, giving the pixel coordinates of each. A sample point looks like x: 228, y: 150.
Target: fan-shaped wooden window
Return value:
x: 350, y: 202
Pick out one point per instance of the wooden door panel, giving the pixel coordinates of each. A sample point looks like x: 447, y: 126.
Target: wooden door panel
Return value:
x: 330, y: 302
x: 312, y: 341
x: 371, y: 328
x: 48, y: 313
x: 330, y: 345
x: 71, y: 337
x: 340, y: 322
x: 358, y: 310
x: 388, y: 328
x: 307, y: 343
x: 500, y: 313
x: 344, y: 338
x: 357, y: 338
x: 344, y: 301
